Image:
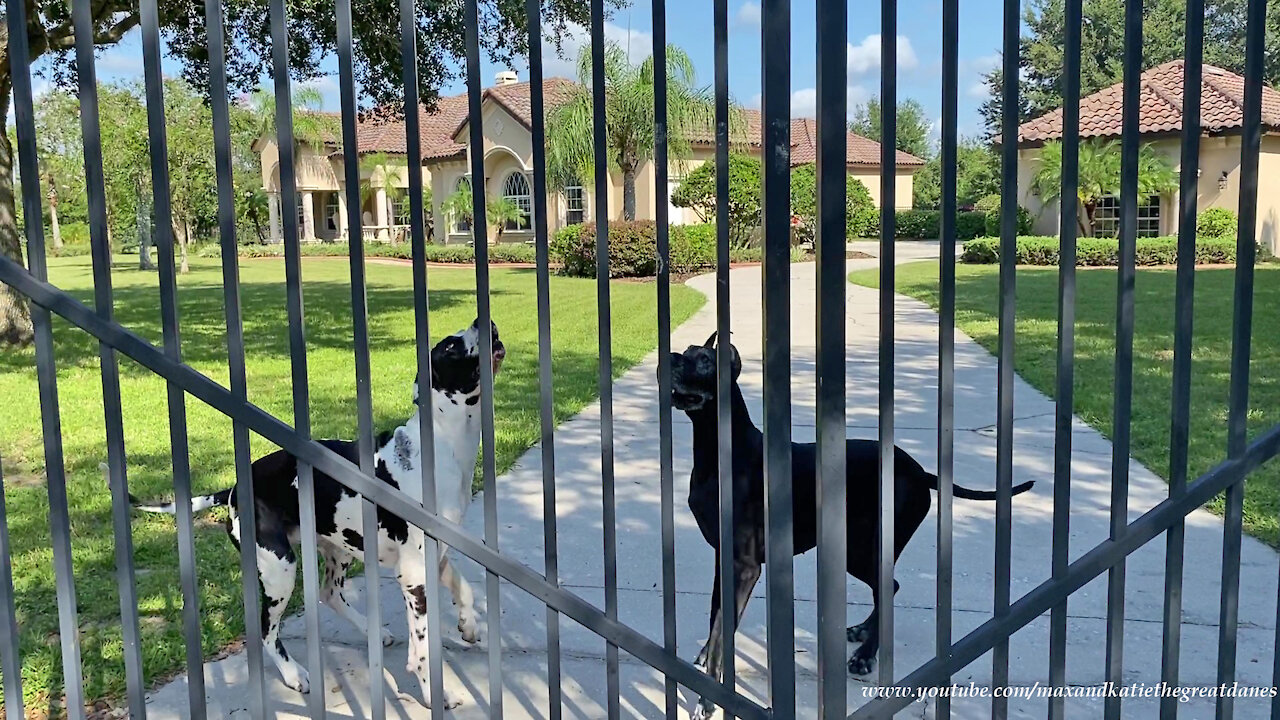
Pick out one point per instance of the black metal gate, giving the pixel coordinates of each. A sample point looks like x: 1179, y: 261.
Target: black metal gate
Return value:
x: 952, y: 655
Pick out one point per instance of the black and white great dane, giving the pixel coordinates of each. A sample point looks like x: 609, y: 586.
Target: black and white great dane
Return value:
x: 455, y: 398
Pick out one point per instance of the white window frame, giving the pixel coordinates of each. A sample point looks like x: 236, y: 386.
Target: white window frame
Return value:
x: 524, y: 200
x: 1106, y: 216
x: 569, y: 208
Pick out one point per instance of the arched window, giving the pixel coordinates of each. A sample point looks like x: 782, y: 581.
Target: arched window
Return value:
x: 462, y: 223
x: 516, y: 189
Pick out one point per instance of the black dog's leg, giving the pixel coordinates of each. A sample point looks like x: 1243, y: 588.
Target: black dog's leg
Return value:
x: 745, y: 577
x: 858, y: 633
x: 864, y: 658
x: 714, y: 618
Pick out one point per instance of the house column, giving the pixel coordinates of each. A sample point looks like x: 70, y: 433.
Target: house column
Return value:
x: 308, y: 216
x: 342, y: 213
x: 380, y: 212
x: 273, y: 209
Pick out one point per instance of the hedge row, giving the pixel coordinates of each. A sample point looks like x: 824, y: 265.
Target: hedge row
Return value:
x: 633, y: 249
x: 462, y: 254
x: 1097, y: 252
x: 918, y: 224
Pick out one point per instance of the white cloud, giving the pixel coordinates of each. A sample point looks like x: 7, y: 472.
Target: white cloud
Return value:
x: 983, y: 64
x: 865, y: 56
x: 638, y: 45
x: 804, y: 102
x: 748, y: 16
x: 978, y: 90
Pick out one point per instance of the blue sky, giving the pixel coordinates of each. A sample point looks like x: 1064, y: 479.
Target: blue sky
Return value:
x: 689, y: 26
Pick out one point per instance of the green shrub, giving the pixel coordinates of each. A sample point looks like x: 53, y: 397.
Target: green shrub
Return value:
x: 988, y: 204
x: 992, y: 225
x: 1099, y: 252
x: 918, y: 224
x: 698, y: 191
x: 632, y: 249
x: 865, y: 223
x: 1216, y: 222
x: 970, y: 225
x: 463, y: 254
x: 692, y: 247
x: 804, y: 204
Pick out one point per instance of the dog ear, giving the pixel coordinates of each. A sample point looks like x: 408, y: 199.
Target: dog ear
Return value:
x: 735, y: 362
x: 711, y: 341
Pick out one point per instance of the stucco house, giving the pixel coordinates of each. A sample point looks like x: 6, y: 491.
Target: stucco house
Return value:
x: 1160, y: 121
x: 508, y: 154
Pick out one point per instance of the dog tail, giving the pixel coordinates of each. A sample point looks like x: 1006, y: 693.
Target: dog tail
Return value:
x: 969, y: 494
x: 198, y: 503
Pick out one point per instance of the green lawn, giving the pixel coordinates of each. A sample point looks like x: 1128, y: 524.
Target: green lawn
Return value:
x: 1036, y: 348
x: 331, y: 374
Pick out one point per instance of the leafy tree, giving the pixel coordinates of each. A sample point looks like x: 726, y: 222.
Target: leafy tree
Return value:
x: 628, y: 119
x: 1102, y: 47
x: 698, y: 192
x: 977, y: 171
x: 440, y: 42
x: 61, y: 158
x: 912, y: 125
x: 500, y: 211
x: 310, y: 125
x: 1099, y: 170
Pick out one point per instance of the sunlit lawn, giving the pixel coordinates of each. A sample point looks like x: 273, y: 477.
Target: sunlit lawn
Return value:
x: 331, y: 375
x: 1036, y: 348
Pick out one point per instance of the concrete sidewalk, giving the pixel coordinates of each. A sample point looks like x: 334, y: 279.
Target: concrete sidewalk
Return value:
x: 635, y: 414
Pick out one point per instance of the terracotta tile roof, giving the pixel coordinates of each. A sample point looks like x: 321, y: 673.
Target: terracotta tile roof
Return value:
x: 804, y: 137
x: 439, y: 129
x: 1221, y: 106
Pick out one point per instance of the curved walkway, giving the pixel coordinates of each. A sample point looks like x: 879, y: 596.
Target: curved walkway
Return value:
x: 639, y: 543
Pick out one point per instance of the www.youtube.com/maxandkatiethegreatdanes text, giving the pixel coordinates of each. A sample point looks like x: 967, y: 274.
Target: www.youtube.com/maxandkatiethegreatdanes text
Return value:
x: 1184, y: 693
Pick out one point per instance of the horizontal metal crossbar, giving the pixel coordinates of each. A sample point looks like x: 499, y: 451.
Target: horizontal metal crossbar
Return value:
x: 260, y: 421
x: 1092, y: 564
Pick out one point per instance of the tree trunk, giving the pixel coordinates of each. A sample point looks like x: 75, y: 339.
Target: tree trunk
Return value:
x: 15, y: 314
x: 1090, y: 207
x: 144, y: 235
x: 628, y: 192
x: 54, y: 227
x: 185, y: 267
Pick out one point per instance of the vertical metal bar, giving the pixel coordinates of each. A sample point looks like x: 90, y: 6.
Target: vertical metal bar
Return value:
x: 946, y: 337
x: 481, y: 236
x: 606, y: 347
x: 46, y: 368
x: 360, y: 337
x: 1242, y: 328
x: 158, y: 148
x: 775, y: 40
x: 24, y: 125
x: 103, y: 305
x: 829, y: 244
x: 546, y: 395
x: 665, y: 471
x: 10, y: 659
x: 297, y: 351
x: 1184, y: 313
x: 245, y: 509
x: 1007, y: 329
x: 724, y: 354
x: 1065, y: 402
x: 1123, y: 393
x: 888, y: 171
x: 432, y: 550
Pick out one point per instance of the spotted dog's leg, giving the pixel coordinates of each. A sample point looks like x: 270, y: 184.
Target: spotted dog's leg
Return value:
x: 463, y: 599
x: 411, y: 573
x: 277, y: 568
x: 333, y: 587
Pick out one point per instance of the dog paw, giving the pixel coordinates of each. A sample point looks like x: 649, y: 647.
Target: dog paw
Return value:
x: 450, y: 702
x: 859, y: 665
x: 387, y: 638
x: 301, y: 683
x: 858, y: 633
x: 469, y: 629
x: 701, y: 660
x: 702, y: 710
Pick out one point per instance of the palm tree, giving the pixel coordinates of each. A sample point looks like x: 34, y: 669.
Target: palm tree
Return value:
x: 384, y: 169
x: 310, y: 125
x: 457, y: 207
x: 500, y: 211
x: 1099, y: 176
x: 629, y: 119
